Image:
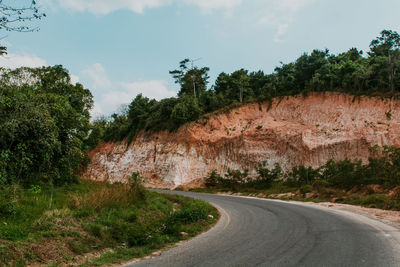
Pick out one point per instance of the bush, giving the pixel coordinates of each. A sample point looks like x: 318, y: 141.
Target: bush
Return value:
x: 266, y: 177
x: 302, y: 175
x: 137, y: 189
x: 344, y: 174
x: 213, y: 179
x: 236, y: 178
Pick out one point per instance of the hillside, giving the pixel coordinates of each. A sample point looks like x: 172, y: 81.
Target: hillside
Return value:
x: 290, y: 131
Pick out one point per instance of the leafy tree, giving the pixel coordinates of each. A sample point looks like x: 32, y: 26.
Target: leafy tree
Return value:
x: 236, y: 178
x: 213, y: 179
x: 266, y: 176
x: 44, y: 122
x: 138, y: 113
x: 387, y: 45
x: 186, y: 110
x: 383, y: 45
x: 193, y: 81
x: 302, y: 175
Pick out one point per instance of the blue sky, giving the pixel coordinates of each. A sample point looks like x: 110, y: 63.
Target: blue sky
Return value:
x: 121, y: 48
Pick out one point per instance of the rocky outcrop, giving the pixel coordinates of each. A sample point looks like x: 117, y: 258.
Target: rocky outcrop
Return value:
x: 290, y: 131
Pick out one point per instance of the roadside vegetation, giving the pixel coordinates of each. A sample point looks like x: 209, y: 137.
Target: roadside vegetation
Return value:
x: 375, y: 185
x: 94, y: 223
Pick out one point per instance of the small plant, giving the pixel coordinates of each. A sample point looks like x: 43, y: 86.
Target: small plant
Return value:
x: 259, y: 127
x: 137, y: 189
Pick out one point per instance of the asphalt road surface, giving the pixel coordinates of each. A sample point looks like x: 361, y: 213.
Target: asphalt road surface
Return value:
x: 259, y: 232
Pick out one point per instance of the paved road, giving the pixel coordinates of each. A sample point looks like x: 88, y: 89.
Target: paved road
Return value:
x: 258, y: 232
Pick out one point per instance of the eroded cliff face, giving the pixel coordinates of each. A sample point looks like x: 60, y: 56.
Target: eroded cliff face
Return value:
x: 290, y: 131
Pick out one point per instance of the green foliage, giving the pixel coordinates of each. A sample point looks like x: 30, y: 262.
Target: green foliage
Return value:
x: 193, y: 81
x: 137, y: 189
x: 213, y: 179
x: 44, y: 121
x: 302, y: 175
x: 344, y: 173
x: 266, y: 177
x: 383, y: 169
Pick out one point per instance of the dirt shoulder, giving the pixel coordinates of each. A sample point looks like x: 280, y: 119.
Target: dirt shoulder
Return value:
x: 386, y: 216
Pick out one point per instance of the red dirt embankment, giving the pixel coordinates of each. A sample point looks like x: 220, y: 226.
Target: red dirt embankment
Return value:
x: 290, y: 131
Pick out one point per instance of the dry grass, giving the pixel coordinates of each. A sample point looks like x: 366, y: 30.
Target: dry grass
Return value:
x: 118, y: 195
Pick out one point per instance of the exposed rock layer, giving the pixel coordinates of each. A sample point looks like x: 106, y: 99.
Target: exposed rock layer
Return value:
x: 290, y: 131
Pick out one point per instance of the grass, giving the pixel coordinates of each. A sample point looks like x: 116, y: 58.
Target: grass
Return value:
x: 108, y: 223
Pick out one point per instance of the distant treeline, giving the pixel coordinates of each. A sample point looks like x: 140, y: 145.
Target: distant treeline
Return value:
x: 354, y: 72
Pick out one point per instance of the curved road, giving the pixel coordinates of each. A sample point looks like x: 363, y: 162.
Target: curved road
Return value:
x: 259, y: 232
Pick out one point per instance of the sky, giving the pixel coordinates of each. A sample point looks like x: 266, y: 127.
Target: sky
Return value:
x: 121, y: 48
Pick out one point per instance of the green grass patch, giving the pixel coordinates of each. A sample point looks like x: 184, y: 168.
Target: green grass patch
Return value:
x: 53, y: 227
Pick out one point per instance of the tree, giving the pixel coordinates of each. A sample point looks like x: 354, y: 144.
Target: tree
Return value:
x: 186, y: 110
x: 387, y: 45
x: 235, y: 86
x: 44, y: 122
x: 193, y: 81
x: 387, y: 42
x: 139, y: 111
x: 13, y: 17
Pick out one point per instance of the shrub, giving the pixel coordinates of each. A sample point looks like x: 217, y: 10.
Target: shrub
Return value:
x: 213, y: 179
x: 266, y: 177
x: 236, y: 178
x: 344, y: 174
x: 302, y: 175
x: 137, y: 189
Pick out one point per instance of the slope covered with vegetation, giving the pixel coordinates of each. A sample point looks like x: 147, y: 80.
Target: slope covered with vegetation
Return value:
x: 355, y: 72
x: 94, y: 223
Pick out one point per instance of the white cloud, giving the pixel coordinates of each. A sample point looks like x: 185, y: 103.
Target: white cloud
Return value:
x: 207, y: 5
x: 109, y: 95
x: 98, y: 76
x: 280, y: 14
x: 126, y: 92
x: 152, y: 89
x: 102, y: 7
x: 107, y: 6
x: 13, y: 61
